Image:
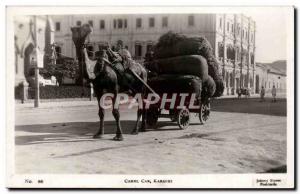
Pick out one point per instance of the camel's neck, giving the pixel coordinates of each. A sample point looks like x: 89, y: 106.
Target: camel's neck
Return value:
x: 86, y: 56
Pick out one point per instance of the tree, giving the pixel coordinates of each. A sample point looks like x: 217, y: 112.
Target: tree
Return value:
x: 64, y: 67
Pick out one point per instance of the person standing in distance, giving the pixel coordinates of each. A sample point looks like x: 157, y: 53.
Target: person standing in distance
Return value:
x: 262, y: 94
x: 274, y: 94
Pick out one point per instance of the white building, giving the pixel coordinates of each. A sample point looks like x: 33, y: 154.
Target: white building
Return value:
x: 33, y: 36
x: 267, y: 75
x: 30, y: 32
x: 232, y: 37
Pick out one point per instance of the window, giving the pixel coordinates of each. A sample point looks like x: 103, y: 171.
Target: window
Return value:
x: 57, y: 26
x: 220, y: 25
x: 191, y: 20
x: 149, y: 47
x: 115, y: 23
x: 138, y: 50
x: 78, y: 23
x: 58, y: 51
x: 102, y: 24
x: 230, y: 52
x: 125, y: 23
x: 246, y: 35
x: 231, y: 28
x: 164, y: 21
x: 243, y: 33
x: 138, y: 22
x: 91, y: 23
x: 220, y: 49
x: 227, y: 26
x: 120, y: 23
x: 252, y: 58
x: 151, y: 22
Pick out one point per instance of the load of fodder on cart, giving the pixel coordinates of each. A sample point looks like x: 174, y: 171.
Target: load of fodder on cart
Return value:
x: 176, y: 53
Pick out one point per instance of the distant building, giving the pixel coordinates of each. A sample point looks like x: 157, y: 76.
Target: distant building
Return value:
x: 27, y: 29
x: 271, y: 74
x: 232, y: 37
x: 32, y: 35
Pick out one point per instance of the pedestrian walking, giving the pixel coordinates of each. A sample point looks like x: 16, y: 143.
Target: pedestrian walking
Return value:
x: 274, y: 94
x: 239, y: 93
x: 262, y: 94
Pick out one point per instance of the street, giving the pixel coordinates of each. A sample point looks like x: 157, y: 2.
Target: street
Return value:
x: 241, y: 136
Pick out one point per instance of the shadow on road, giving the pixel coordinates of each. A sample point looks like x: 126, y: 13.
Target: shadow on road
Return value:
x: 251, y: 106
x: 75, y: 131
x: 279, y: 169
x: 66, y: 132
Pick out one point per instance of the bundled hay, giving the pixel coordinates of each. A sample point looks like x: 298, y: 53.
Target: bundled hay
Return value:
x: 176, y: 84
x: 197, y: 66
x: 208, y: 88
x: 173, y: 45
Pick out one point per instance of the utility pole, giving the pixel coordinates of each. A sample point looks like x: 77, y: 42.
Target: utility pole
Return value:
x: 37, y: 88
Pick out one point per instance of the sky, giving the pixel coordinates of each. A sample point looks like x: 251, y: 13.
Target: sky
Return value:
x: 271, y: 34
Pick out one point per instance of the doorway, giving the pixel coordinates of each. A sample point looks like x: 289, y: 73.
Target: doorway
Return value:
x: 257, y: 84
x: 28, y: 70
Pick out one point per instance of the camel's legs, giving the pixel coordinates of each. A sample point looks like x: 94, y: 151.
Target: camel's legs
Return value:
x: 135, y: 131
x: 141, y: 112
x: 144, y: 96
x: 101, y: 114
x: 143, y: 126
x: 116, y: 114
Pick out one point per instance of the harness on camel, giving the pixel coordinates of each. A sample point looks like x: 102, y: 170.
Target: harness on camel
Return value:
x: 121, y: 67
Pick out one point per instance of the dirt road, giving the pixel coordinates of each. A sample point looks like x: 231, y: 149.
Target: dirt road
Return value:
x: 243, y: 136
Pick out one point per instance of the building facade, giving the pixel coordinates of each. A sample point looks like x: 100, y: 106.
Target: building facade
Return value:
x: 268, y: 76
x: 30, y: 32
x: 232, y: 37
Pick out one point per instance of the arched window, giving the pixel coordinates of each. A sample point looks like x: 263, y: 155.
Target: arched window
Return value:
x: 27, y: 60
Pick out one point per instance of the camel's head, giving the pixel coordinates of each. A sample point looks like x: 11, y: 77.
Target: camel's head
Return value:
x: 80, y: 33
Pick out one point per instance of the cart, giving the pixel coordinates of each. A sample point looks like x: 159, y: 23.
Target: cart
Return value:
x: 170, y: 85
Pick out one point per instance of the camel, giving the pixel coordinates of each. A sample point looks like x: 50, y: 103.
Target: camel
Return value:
x: 108, y: 80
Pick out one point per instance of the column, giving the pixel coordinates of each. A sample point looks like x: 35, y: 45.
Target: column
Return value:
x: 248, y: 68
x: 234, y: 71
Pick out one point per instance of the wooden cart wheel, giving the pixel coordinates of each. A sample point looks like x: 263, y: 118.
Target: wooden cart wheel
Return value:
x: 183, y: 118
x: 172, y: 114
x: 204, y: 112
x: 152, y: 117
